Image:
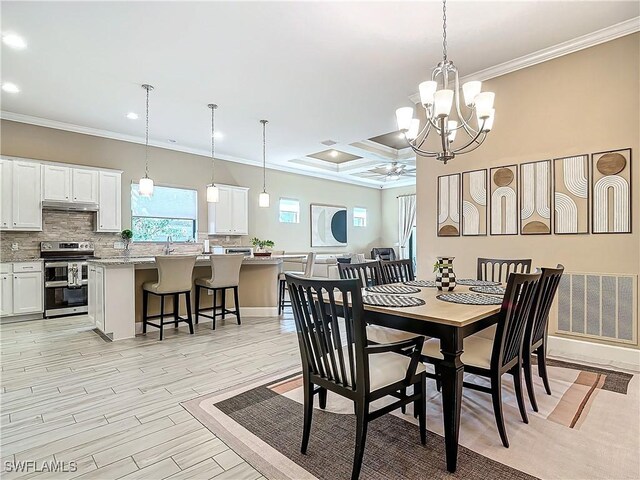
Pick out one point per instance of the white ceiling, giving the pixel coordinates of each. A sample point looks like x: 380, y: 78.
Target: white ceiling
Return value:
x: 316, y: 71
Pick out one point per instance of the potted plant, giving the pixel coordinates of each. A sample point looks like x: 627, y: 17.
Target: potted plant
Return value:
x: 261, y: 247
x: 126, y: 236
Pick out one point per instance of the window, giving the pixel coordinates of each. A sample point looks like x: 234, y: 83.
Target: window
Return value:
x: 289, y: 211
x: 359, y: 217
x: 168, y: 212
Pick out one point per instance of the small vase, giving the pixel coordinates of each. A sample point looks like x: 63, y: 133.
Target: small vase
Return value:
x: 445, y: 277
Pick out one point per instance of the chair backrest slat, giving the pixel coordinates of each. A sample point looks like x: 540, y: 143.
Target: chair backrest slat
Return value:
x: 498, y: 269
x: 397, y: 271
x: 546, y: 293
x: 329, y: 351
x: 369, y: 273
x: 514, y: 313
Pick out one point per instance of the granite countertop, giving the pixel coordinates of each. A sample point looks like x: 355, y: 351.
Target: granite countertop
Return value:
x: 147, y: 260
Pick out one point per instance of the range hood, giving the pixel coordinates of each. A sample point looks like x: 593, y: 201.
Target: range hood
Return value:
x: 70, y: 206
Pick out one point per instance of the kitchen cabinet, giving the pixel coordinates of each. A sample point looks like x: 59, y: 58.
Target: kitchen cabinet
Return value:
x: 84, y: 185
x: 110, y: 201
x: 96, y: 297
x: 6, y: 184
x: 6, y: 294
x: 111, y: 299
x: 26, y: 207
x: 230, y: 215
x: 56, y: 183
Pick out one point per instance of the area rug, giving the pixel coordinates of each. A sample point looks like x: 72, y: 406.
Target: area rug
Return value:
x: 262, y: 422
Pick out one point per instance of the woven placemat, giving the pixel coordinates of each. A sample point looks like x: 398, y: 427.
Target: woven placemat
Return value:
x: 491, y: 290
x: 391, y: 301
x: 390, y: 289
x: 421, y: 283
x: 470, y: 282
x: 470, y: 298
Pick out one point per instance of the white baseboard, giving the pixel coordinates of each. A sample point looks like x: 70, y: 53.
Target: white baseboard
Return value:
x: 595, y: 353
x: 259, y: 312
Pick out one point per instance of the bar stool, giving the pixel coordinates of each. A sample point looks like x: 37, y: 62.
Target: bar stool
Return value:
x: 174, y: 279
x: 282, y: 283
x: 225, y: 274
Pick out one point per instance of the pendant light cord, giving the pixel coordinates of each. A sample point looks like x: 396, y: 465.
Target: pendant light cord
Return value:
x: 264, y: 155
x: 444, y: 29
x: 148, y: 88
x: 213, y: 107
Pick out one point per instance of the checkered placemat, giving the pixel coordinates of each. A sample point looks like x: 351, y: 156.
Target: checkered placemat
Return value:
x: 402, y: 289
x: 421, y: 283
x: 470, y: 282
x: 391, y: 301
x: 470, y: 298
x: 490, y: 290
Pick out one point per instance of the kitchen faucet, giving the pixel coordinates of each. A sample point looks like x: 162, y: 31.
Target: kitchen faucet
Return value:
x: 167, y: 246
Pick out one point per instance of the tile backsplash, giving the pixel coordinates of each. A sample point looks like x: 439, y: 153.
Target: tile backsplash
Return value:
x: 79, y: 226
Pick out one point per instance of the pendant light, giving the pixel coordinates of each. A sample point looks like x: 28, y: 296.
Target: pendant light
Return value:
x: 263, y: 198
x: 213, y: 194
x: 145, y: 185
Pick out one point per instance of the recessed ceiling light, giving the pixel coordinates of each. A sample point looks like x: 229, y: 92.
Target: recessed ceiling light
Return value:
x: 14, y: 41
x: 218, y: 135
x: 171, y: 140
x: 132, y: 116
x: 10, y: 87
x: 334, y: 153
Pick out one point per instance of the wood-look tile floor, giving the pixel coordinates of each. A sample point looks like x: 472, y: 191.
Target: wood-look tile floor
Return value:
x: 114, y: 408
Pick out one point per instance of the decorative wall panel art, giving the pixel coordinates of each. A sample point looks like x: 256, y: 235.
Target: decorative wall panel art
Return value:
x: 328, y: 226
x: 571, y: 194
x: 449, y: 205
x: 611, y: 191
x: 535, y: 198
x: 504, y: 200
x: 474, y: 203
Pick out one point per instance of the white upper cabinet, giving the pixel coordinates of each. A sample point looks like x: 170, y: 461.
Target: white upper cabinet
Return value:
x: 6, y: 184
x: 84, y: 185
x: 56, y: 182
x: 110, y: 201
x: 26, y: 208
x: 230, y: 215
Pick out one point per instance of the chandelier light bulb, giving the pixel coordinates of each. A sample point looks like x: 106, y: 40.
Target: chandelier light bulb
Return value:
x: 452, y: 126
x: 443, y: 100
x: 145, y: 187
x: 412, y: 133
x: 427, y: 90
x: 469, y: 91
x: 404, y: 116
x: 484, y: 104
x: 213, y: 194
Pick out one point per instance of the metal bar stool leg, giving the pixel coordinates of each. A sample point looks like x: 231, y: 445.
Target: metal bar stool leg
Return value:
x: 189, y: 318
x: 161, y: 317
x: 215, y: 301
x: 145, y: 302
x: 224, y: 302
x: 237, y: 302
x: 176, y: 309
x: 197, y: 303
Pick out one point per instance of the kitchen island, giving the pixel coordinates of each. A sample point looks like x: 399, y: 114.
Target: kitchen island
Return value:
x: 115, y: 291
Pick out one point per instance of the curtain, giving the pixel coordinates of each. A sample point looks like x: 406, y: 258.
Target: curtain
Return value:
x: 406, y: 220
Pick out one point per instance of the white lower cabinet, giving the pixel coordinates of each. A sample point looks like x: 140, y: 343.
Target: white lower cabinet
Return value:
x: 96, y: 297
x: 22, y: 286
x: 111, y: 299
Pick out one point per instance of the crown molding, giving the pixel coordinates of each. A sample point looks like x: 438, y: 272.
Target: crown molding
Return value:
x: 565, y: 48
x: 96, y: 132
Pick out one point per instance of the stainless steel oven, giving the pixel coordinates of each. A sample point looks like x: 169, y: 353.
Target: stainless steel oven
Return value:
x: 66, y: 277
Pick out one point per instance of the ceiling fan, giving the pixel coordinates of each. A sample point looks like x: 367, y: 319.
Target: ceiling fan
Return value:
x: 390, y: 172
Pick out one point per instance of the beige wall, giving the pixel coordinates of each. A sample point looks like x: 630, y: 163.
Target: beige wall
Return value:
x: 580, y: 103
x: 173, y: 168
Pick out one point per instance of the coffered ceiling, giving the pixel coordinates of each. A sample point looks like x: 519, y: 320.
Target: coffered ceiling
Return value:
x: 318, y: 71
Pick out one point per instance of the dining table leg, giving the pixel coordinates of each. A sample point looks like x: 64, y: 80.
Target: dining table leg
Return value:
x: 452, y: 371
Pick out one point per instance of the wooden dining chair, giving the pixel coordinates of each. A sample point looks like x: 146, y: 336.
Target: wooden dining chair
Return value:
x: 397, y: 271
x: 535, y: 336
x: 340, y: 360
x: 493, y: 358
x: 369, y: 273
x: 498, y: 269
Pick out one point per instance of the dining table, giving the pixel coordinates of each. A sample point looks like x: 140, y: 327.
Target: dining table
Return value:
x: 451, y: 323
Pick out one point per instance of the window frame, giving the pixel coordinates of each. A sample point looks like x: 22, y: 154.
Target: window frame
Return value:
x: 288, y: 211
x: 195, y: 219
x: 365, y: 218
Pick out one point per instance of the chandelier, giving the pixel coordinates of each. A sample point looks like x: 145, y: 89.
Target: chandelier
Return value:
x: 440, y: 98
